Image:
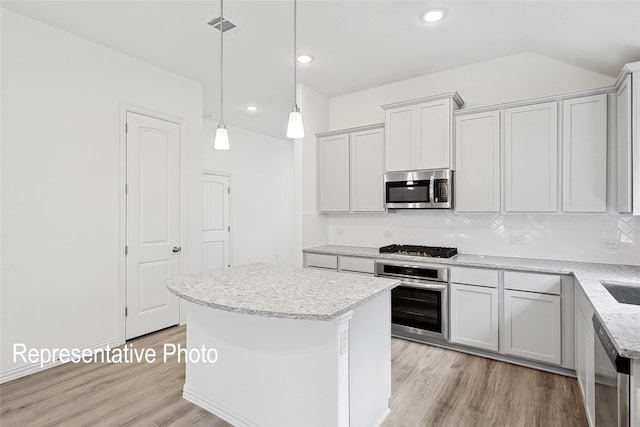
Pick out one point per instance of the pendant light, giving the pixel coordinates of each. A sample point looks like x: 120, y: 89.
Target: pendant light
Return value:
x: 222, y: 137
x: 295, y: 128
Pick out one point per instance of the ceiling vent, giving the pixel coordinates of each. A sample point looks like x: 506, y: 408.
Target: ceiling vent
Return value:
x: 228, y: 27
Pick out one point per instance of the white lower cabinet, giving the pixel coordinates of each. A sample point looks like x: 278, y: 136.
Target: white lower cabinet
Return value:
x: 474, y: 316
x: 585, y: 363
x: 532, y: 326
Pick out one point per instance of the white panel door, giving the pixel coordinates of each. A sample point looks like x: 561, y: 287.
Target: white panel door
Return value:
x: 434, y: 135
x: 400, y: 136
x: 333, y: 173
x: 478, y: 162
x: 624, y: 157
x: 531, y: 150
x: 474, y: 316
x: 367, y: 171
x: 215, y: 222
x: 153, y: 223
x: 532, y: 326
x: 584, y: 144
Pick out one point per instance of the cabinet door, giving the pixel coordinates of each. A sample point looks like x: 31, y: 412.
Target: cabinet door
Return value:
x: 585, y: 369
x: 478, y: 162
x: 400, y: 134
x: 584, y: 144
x: 532, y: 326
x: 624, y: 146
x: 433, y: 139
x: 367, y: 170
x: 531, y: 145
x: 333, y: 174
x: 474, y: 316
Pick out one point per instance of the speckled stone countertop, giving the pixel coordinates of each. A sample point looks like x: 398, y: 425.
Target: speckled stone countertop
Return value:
x: 621, y: 320
x: 279, y: 291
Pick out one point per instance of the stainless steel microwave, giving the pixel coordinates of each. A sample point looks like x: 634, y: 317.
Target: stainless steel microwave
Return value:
x: 423, y: 189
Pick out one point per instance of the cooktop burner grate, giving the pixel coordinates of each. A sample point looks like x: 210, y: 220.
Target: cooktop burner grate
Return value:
x: 414, y: 250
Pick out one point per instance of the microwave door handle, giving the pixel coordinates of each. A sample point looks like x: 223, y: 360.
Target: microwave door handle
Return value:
x: 431, y: 189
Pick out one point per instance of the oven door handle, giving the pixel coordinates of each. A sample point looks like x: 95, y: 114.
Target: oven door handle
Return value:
x: 425, y: 286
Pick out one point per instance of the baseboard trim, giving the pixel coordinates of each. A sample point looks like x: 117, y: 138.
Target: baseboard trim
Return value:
x: 216, y: 409
x: 32, y: 368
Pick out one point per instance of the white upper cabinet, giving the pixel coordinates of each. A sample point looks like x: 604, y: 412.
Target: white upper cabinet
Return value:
x: 584, y: 143
x: 351, y: 169
x: 399, y: 125
x: 628, y: 158
x: 367, y: 169
x: 477, y: 147
x: 531, y: 158
x: 333, y: 173
x: 434, y: 134
x: 419, y: 132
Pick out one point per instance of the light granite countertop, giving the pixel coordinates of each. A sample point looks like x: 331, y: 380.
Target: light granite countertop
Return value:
x: 621, y: 320
x: 279, y: 291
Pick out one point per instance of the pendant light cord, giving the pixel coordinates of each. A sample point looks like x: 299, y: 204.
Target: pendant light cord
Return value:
x: 295, y: 59
x: 221, y: 60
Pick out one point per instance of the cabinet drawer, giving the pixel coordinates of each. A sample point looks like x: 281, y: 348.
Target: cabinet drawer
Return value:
x: 357, y: 264
x: 531, y: 282
x: 321, y: 261
x: 475, y: 276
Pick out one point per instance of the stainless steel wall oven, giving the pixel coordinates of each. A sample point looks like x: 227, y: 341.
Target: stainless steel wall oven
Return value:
x: 419, y: 306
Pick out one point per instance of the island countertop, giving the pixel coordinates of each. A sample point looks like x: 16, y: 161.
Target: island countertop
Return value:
x: 279, y: 291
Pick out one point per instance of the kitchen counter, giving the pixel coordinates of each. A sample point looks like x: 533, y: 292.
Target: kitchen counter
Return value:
x: 292, y: 346
x: 279, y: 291
x: 621, y: 320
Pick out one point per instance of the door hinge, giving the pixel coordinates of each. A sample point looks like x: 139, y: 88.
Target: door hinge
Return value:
x: 126, y: 311
x: 126, y: 250
x: 126, y: 189
x: 228, y: 190
x: 229, y: 228
x: 126, y: 128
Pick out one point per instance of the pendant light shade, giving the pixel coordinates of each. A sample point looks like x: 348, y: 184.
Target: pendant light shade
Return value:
x: 295, y: 127
x: 221, y: 141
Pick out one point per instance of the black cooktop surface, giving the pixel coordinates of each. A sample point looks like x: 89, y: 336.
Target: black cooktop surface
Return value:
x: 414, y: 250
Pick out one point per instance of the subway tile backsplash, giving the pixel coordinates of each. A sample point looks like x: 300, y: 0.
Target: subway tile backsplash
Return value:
x: 571, y: 237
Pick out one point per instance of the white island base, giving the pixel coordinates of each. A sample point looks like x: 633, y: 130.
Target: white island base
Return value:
x: 293, y: 372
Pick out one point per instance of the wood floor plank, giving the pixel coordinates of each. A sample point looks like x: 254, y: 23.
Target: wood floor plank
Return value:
x: 431, y: 386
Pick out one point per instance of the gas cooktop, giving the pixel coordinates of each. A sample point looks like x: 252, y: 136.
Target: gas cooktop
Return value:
x: 425, y: 251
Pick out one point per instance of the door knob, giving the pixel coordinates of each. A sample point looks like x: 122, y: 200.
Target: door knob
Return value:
x: 176, y: 249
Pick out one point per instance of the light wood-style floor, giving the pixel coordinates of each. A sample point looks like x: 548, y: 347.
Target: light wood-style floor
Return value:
x: 431, y: 387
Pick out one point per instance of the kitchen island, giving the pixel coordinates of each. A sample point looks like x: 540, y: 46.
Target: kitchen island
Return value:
x: 293, y: 346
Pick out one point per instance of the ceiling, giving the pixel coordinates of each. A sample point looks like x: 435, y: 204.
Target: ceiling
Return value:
x: 357, y: 44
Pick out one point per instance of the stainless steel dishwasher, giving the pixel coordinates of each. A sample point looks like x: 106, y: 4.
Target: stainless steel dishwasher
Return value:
x: 612, y: 380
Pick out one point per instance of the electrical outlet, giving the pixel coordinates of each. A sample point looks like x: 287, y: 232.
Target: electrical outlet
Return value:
x: 388, y: 234
x: 610, y: 243
x: 516, y: 240
x: 339, y: 232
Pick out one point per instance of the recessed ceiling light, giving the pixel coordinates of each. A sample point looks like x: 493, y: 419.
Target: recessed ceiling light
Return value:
x: 252, y: 108
x: 304, y: 58
x: 434, y: 15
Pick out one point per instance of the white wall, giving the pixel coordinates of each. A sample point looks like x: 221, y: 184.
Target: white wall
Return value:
x: 311, y: 228
x: 511, y: 78
x: 261, y: 170
x: 62, y: 185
